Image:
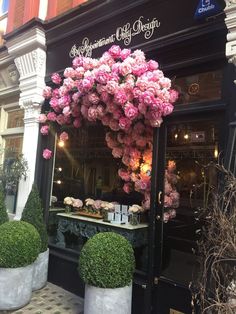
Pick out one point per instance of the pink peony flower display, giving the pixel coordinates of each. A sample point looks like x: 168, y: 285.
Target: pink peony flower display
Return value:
x: 130, y: 96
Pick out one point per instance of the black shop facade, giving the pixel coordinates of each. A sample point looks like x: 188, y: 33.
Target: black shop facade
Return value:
x: 191, y: 52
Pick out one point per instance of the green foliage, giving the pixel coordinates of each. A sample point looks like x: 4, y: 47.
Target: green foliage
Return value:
x: 3, y: 211
x: 107, y: 261
x: 19, y: 244
x: 33, y: 213
x: 11, y: 172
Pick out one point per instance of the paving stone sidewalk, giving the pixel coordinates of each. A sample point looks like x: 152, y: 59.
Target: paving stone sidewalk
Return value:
x: 51, y: 300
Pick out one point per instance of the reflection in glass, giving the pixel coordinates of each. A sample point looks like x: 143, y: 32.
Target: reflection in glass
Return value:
x: 200, y: 87
x: 193, y: 146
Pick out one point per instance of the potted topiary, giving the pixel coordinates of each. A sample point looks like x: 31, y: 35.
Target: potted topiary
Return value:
x: 33, y: 213
x: 19, y: 247
x: 106, y: 265
x: 3, y: 211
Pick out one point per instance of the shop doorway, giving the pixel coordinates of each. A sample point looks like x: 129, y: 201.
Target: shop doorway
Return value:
x: 192, y: 143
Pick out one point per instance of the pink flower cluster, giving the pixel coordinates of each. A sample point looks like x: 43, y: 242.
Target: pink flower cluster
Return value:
x: 128, y: 94
x: 171, y: 198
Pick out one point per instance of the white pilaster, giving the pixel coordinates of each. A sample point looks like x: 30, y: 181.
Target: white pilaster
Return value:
x: 230, y: 21
x: 28, y: 50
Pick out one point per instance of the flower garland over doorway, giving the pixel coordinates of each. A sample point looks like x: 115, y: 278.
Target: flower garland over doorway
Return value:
x: 130, y: 96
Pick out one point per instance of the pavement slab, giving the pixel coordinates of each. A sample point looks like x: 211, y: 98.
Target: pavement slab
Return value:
x: 51, y: 300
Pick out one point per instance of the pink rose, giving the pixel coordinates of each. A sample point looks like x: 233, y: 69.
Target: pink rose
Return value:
x: 92, y: 113
x: 66, y: 111
x: 152, y: 65
x: 51, y: 116
x: 87, y: 83
x: 54, y: 104
x: 97, y: 204
x: 115, y: 51
x: 56, y: 78
x: 125, y: 68
x: 124, y: 123
x: 47, y: 154
x: 61, y: 119
x: 111, y: 87
x: 47, y: 92
x: 77, y: 61
x: 125, y: 53
x: 102, y: 77
x: 127, y: 188
x: 42, y: 118
x: 120, y: 97
x: 131, y: 111
x: 124, y: 174
x: 44, y: 130
x: 93, y: 98
x: 167, y: 109
x: 117, y: 152
x: 69, y: 72
x: 64, y: 136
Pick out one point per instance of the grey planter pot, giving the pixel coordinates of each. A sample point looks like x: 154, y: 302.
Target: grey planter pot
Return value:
x: 107, y: 301
x: 15, y: 287
x: 40, y: 271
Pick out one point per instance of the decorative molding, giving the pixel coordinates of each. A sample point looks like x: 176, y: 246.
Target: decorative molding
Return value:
x: 230, y: 21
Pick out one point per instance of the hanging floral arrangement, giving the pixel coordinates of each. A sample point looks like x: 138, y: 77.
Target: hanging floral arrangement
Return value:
x: 128, y: 94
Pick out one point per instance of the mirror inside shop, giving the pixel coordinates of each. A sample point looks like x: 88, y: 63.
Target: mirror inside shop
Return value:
x: 85, y: 170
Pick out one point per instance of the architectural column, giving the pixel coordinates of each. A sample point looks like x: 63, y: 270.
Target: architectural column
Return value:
x: 29, y: 54
x: 230, y: 21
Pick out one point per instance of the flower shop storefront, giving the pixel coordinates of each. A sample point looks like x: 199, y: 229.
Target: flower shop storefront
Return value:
x: 116, y: 157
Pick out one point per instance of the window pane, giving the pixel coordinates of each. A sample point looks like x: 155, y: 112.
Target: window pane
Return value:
x: 192, y: 146
x: 15, y: 119
x: 13, y: 146
x: 199, y: 87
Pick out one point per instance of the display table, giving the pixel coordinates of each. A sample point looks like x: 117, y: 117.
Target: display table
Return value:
x: 87, y: 227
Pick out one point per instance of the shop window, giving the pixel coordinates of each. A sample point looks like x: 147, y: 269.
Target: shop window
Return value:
x: 200, y: 87
x: 11, y: 126
x: 193, y: 146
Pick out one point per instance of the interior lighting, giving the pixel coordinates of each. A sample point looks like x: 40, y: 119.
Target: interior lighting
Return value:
x: 61, y: 143
x: 59, y: 182
x: 216, y: 152
x: 176, y: 136
x: 60, y: 169
x: 186, y: 136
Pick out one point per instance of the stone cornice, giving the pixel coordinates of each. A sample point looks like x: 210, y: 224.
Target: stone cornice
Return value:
x: 26, y: 42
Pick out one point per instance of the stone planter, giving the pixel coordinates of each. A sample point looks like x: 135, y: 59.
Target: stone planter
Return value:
x: 107, y: 301
x: 15, y: 287
x: 40, y: 271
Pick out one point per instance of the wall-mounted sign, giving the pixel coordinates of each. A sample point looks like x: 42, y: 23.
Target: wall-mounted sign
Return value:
x: 207, y: 8
x: 124, y: 34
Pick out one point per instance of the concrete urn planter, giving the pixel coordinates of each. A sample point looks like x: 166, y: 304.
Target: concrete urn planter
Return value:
x: 40, y: 271
x: 107, y: 301
x: 15, y: 287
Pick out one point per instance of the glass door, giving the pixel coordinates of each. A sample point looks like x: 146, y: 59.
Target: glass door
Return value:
x: 187, y: 147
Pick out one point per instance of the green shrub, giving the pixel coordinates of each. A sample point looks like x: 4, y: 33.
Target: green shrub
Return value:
x: 107, y: 261
x: 33, y: 213
x: 3, y: 211
x: 19, y: 244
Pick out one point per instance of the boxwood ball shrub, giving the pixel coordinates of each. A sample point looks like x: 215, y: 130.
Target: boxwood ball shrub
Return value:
x: 107, y: 261
x: 19, y: 244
